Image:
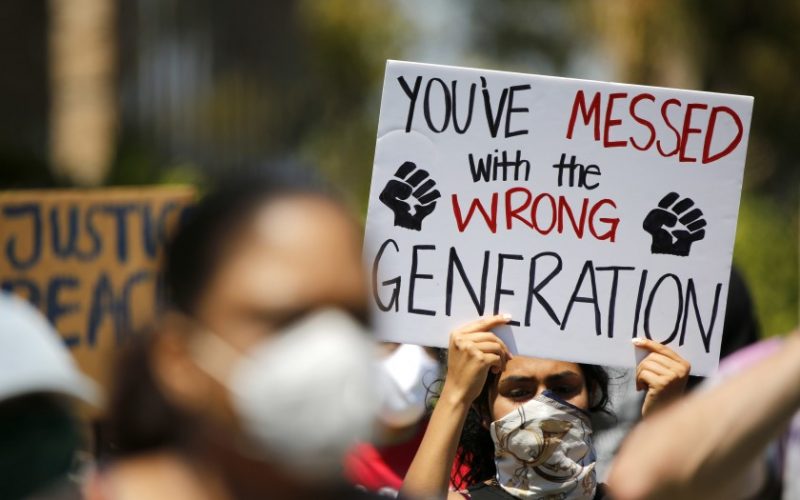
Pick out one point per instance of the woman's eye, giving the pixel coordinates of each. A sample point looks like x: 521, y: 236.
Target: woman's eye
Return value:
x: 564, y: 389
x: 519, y: 393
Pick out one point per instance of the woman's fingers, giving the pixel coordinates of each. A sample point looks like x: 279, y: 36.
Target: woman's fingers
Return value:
x: 484, y: 323
x: 488, y: 349
x: 476, y: 332
x: 488, y: 345
x: 659, y: 348
x: 663, y: 373
x: 491, y: 347
x: 495, y: 362
x: 480, y: 337
x: 473, y: 351
x: 662, y: 360
x: 653, y: 367
x: 665, y: 367
x: 680, y: 370
x: 649, y: 379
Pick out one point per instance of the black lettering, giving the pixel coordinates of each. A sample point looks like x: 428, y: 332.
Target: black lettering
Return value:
x: 121, y: 212
x: 56, y: 308
x: 394, y: 301
x: 691, y: 297
x: 470, y: 106
x: 412, y: 280
x: 534, y: 288
x: 455, y: 262
x: 493, y: 118
x: 639, y: 297
x: 511, y: 110
x: 650, y: 300
x: 612, y: 300
x: 588, y: 268
x: 499, y: 290
x: 103, y: 304
x: 34, y: 211
x: 412, y: 96
x: 66, y: 249
x: 427, y: 105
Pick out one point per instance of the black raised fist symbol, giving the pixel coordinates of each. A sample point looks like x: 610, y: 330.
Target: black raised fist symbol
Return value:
x: 408, y: 183
x: 669, y: 236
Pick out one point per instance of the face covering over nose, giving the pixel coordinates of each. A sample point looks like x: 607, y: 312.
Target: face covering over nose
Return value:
x: 544, y: 449
x: 409, y: 371
x: 305, y: 395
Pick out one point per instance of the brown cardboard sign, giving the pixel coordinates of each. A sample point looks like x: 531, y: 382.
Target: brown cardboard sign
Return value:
x: 88, y: 259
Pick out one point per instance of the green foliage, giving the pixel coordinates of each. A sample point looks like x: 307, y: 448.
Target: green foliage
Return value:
x: 349, y: 42
x: 766, y: 252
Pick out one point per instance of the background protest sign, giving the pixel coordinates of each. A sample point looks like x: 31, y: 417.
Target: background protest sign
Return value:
x: 88, y: 260
x: 592, y: 212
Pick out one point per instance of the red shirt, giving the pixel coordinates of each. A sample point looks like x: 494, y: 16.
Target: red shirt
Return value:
x: 382, y: 468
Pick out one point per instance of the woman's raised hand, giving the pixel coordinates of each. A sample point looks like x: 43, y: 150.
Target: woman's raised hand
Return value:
x: 473, y: 351
x: 663, y: 373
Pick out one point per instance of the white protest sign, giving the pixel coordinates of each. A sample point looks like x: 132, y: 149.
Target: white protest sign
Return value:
x: 591, y: 212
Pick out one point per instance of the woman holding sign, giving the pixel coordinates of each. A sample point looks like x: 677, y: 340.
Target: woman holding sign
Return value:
x: 521, y: 424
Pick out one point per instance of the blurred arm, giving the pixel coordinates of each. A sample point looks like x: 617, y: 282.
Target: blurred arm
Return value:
x: 710, y: 438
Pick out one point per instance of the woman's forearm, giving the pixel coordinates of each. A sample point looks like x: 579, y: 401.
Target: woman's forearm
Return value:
x: 711, y: 437
x: 429, y: 473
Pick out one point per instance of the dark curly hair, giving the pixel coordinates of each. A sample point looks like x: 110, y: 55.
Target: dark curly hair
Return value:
x: 476, y: 449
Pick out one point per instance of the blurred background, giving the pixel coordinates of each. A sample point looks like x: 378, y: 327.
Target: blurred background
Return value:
x: 135, y: 92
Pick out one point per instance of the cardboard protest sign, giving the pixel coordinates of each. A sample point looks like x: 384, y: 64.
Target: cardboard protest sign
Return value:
x: 88, y: 260
x: 591, y: 212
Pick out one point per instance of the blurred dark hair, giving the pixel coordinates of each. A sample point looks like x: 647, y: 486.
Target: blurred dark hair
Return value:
x: 194, y: 252
x: 140, y: 418
x: 740, y: 328
x: 475, y: 454
x: 741, y: 324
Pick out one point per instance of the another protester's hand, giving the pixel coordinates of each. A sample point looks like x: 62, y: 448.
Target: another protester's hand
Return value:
x: 663, y: 373
x: 472, y: 352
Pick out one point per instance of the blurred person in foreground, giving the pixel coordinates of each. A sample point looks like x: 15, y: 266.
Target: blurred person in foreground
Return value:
x: 737, y: 438
x: 259, y: 377
x: 42, y: 437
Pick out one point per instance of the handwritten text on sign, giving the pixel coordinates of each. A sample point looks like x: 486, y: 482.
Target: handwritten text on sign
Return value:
x: 592, y: 212
x: 88, y: 260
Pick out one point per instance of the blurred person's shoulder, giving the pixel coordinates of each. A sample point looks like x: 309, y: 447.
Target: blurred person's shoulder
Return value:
x: 776, y: 468
x: 153, y: 475
x: 747, y: 357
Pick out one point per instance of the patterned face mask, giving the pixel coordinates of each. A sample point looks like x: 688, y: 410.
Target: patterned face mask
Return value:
x: 543, y: 449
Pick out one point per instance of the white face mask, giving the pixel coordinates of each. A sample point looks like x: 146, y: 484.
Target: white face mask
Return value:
x: 304, y: 396
x: 409, y: 372
x: 543, y: 449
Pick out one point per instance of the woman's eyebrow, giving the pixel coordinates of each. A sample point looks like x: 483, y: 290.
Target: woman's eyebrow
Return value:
x: 275, y: 315
x: 565, y: 376
x: 516, y: 379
